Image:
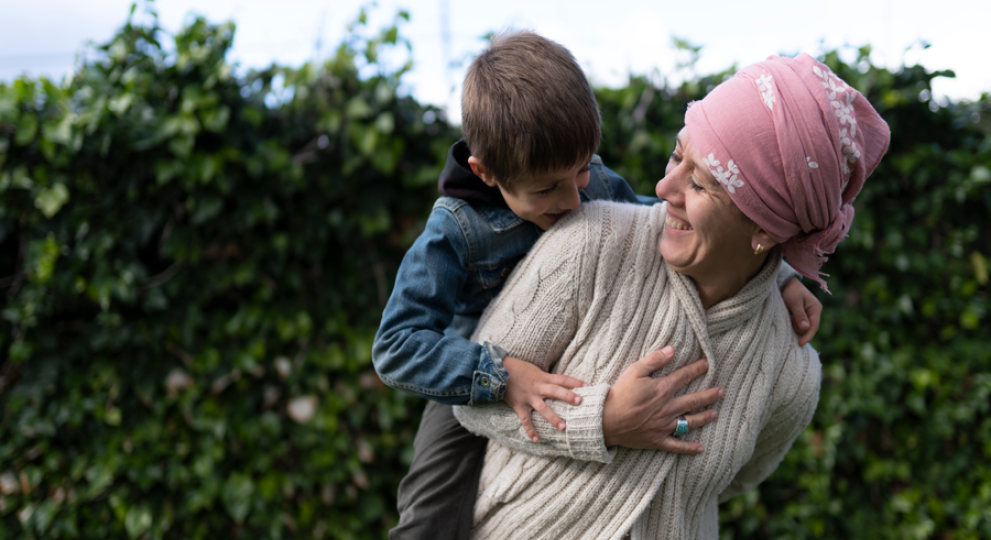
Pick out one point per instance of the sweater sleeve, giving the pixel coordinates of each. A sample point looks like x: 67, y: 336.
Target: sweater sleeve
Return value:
x: 534, y: 319
x: 795, y: 396
x: 581, y: 440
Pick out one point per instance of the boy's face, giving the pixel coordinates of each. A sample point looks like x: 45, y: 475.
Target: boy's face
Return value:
x: 544, y: 198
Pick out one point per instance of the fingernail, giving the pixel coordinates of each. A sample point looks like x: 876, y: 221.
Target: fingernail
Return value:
x: 804, y: 324
x: 668, y: 351
x: 698, y: 450
x: 713, y: 415
x: 722, y: 392
x: 534, y: 438
x: 578, y: 400
x: 560, y: 427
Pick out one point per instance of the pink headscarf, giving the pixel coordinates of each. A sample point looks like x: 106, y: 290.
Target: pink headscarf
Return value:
x: 792, y: 144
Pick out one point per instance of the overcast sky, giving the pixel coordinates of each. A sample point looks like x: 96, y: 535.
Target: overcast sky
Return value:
x: 610, y: 39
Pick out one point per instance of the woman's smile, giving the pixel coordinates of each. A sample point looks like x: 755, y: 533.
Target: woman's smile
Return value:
x: 677, y: 224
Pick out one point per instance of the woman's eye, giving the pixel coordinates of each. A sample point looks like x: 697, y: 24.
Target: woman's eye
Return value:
x: 675, y: 157
x: 693, y: 185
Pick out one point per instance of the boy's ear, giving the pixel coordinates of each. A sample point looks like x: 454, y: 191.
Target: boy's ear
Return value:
x: 480, y: 171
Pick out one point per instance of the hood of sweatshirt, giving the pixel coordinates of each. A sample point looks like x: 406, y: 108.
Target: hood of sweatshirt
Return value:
x: 457, y: 180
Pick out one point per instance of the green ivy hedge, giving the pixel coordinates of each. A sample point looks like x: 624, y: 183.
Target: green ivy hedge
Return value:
x: 198, y: 266
x: 193, y: 264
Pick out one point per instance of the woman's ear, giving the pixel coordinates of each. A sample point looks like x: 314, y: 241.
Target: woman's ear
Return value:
x: 480, y: 171
x: 760, y: 241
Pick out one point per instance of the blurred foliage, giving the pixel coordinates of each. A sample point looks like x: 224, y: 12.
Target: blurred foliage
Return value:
x: 193, y: 267
x: 193, y: 263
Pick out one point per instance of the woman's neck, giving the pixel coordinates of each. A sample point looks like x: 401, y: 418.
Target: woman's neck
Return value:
x: 716, y: 286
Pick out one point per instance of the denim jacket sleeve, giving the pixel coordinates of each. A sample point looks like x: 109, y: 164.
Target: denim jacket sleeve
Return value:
x: 411, y: 351
x: 615, y: 188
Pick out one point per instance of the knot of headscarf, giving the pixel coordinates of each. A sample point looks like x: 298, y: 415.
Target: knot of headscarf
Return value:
x: 792, y: 144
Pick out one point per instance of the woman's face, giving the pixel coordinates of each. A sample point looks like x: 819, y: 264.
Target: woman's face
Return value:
x: 705, y: 234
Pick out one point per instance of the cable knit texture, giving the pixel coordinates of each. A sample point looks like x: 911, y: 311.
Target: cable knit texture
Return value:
x: 595, y: 296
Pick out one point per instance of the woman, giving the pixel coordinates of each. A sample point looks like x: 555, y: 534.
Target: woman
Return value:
x: 766, y: 166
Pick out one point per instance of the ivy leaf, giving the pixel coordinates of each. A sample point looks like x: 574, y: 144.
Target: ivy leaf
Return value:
x: 27, y: 128
x: 138, y: 521
x: 236, y: 495
x: 50, y: 200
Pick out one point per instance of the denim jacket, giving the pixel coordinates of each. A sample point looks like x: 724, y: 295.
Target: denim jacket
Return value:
x: 447, y: 278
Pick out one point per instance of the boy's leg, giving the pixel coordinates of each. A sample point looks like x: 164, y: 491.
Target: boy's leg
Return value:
x: 437, y: 497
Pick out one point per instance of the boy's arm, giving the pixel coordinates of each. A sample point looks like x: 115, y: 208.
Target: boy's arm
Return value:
x: 805, y: 309
x: 535, y: 318
x: 618, y: 189
x: 785, y: 274
x: 411, y: 352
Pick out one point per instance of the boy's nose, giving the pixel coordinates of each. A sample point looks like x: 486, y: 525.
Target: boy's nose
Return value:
x: 573, y: 198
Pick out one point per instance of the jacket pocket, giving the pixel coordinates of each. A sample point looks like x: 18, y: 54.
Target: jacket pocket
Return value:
x: 494, y: 278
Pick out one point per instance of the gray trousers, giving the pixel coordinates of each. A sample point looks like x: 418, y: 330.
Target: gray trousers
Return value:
x: 437, y: 497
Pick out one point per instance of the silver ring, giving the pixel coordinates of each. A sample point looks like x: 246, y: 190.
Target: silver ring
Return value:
x: 682, y: 427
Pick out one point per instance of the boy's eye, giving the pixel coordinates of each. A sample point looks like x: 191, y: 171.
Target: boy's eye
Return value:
x: 547, y: 191
x: 585, y: 169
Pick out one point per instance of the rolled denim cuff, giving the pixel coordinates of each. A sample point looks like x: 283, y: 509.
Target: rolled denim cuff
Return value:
x: 785, y: 273
x: 489, y: 381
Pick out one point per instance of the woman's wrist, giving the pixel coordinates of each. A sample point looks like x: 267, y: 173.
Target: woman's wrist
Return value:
x: 611, y: 420
x: 607, y: 423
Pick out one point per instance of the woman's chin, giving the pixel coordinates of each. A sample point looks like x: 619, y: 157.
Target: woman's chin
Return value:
x: 677, y: 256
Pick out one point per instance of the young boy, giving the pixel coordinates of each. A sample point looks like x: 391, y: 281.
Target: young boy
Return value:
x: 531, y: 128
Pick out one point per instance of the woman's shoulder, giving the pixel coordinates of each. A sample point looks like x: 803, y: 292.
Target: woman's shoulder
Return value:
x: 611, y: 218
x: 610, y: 239
x: 801, y: 371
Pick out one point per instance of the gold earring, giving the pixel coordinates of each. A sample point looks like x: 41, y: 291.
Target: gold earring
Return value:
x: 759, y: 250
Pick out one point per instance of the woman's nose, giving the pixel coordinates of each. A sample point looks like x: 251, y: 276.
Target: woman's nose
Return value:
x: 666, y: 189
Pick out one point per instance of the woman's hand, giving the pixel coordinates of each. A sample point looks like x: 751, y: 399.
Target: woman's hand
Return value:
x: 528, y: 386
x: 641, y: 411
x: 805, y: 309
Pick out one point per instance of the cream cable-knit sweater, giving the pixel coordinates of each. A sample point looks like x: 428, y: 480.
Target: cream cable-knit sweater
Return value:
x: 595, y: 293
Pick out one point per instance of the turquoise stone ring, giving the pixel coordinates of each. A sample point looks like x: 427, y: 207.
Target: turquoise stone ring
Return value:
x: 682, y: 428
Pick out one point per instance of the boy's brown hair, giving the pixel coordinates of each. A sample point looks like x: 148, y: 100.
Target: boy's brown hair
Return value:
x: 527, y: 108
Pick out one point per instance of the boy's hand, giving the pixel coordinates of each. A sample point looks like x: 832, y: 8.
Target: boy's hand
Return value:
x: 527, y: 387
x: 805, y: 309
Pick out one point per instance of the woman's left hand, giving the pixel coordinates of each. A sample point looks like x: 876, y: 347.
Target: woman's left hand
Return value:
x: 641, y: 411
